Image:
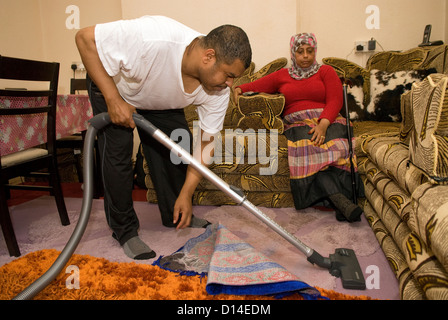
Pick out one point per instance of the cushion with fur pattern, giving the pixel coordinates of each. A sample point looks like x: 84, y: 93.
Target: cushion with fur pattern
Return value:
x: 355, y: 99
x: 386, y: 89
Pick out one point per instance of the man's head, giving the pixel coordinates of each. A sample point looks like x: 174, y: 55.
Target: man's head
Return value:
x: 227, y: 53
x: 230, y: 43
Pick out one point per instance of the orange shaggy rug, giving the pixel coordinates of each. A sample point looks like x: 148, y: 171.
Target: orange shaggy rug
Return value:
x: 100, y: 279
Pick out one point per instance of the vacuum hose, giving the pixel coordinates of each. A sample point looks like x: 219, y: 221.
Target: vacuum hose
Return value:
x: 97, y: 123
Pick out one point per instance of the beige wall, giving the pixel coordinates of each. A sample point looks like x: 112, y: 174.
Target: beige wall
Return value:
x: 446, y: 22
x: 268, y: 23
x: 59, y: 42
x: 20, y: 29
x: 36, y: 29
x: 339, y: 23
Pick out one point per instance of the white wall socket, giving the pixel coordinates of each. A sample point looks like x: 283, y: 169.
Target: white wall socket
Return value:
x: 79, y: 65
x: 361, y: 46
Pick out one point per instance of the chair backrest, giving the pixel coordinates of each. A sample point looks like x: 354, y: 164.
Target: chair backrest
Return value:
x: 31, y: 70
x: 77, y: 84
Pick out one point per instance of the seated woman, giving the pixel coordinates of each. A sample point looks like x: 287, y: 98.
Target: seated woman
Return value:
x: 317, y: 134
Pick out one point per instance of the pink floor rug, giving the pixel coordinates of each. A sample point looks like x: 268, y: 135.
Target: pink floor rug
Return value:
x: 37, y: 227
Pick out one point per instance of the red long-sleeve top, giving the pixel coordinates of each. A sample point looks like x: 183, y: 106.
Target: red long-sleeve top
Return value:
x: 322, y: 90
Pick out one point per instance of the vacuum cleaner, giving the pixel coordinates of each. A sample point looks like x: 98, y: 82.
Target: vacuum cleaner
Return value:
x: 343, y: 263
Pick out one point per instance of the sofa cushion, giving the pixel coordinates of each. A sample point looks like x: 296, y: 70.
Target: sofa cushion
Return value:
x: 407, y: 122
x: 430, y: 215
x: 398, y: 199
x: 365, y: 129
x: 386, y: 89
x: 392, y: 61
x: 429, y: 141
x: 249, y: 75
x: 392, y: 158
x: 250, y: 153
x: 355, y: 100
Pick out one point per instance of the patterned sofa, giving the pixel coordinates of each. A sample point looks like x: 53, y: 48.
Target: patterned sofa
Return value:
x: 399, y: 109
x: 403, y: 160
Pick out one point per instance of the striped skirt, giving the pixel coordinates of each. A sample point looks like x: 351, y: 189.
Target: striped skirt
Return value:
x: 318, y: 171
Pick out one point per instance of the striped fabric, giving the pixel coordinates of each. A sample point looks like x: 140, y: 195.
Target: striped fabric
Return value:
x: 304, y: 158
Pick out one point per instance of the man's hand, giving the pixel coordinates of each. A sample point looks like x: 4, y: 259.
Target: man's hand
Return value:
x: 121, y: 112
x: 183, y: 208
x: 183, y: 211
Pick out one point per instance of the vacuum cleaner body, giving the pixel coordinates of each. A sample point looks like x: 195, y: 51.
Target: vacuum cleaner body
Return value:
x: 343, y: 263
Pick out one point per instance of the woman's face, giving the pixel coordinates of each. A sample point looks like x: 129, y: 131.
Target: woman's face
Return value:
x: 305, y: 56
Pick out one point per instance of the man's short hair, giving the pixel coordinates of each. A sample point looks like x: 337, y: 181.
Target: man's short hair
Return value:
x: 230, y: 43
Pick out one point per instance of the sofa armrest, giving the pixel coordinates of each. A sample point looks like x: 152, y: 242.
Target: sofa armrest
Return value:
x: 261, y: 111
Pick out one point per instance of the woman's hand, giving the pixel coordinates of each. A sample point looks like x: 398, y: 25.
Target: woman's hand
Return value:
x: 318, y: 132
x: 236, y: 94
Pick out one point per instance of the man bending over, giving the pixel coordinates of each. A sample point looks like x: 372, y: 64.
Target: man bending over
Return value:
x: 156, y: 66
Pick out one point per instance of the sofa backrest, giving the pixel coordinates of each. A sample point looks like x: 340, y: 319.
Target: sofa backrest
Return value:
x: 366, y: 97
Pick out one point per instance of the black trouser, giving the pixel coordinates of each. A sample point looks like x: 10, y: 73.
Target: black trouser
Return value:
x: 116, y: 146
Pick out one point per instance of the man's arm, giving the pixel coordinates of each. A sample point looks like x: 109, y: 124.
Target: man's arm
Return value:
x: 119, y: 110
x: 183, y: 205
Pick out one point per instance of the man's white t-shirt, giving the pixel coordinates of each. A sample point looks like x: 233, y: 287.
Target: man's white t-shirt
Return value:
x: 144, y: 56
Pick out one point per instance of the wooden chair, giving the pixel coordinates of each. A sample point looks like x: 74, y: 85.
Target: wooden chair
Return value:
x: 77, y: 85
x: 38, y: 161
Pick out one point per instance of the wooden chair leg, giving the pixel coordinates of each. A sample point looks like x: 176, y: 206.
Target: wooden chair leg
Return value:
x: 7, y: 228
x: 79, y: 168
x: 60, y: 203
x: 59, y: 196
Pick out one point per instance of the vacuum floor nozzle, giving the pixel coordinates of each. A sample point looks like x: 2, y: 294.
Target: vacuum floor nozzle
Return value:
x: 344, y: 265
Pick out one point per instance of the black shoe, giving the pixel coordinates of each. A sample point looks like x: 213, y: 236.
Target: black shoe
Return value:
x: 345, y: 209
